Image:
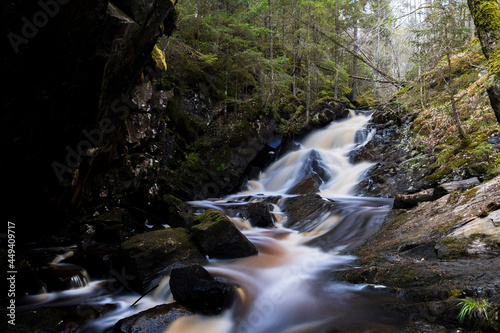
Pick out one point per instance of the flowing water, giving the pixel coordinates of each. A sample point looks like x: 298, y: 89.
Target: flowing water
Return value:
x: 289, y: 286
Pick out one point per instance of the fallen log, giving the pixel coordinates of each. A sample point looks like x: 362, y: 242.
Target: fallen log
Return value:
x: 431, y: 194
x: 411, y: 200
x: 459, y: 185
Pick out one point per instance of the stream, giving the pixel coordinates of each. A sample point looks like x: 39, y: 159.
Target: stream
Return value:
x: 290, y: 285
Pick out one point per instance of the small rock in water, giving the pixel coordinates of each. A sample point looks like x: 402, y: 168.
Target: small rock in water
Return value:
x: 219, y: 237
x: 194, y: 287
x: 259, y: 216
x: 309, y: 184
x: 154, y: 320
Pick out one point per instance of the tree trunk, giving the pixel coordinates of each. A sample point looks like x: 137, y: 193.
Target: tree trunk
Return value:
x: 355, y: 65
x: 337, y: 51
x: 486, y: 15
x: 271, y: 48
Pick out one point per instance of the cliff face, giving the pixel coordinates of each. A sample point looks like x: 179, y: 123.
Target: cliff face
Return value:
x: 66, y: 63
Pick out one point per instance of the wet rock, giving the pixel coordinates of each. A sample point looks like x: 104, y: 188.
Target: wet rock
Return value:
x: 146, y: 258
x: 219, y: 237
x: 303, y: 210
x: 315, y: 164
x: 58, y: 277
x: 258, y: 215
x: 308, y: 184
x: 194, y: 287
x: 154, y: 320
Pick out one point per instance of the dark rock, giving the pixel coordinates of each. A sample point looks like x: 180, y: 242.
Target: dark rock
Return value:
x: 303, y: 210
x: 495, y: 139
x: 419, y: 251
x: 315, y: 164
x: 144, y: 259
x: 194, y: 287
x: 154, y: 320
x: 219, y: 237
x: 258, y: 215
x: 321, y: 114
x: 91, y: 53
x: 308, y: 184
x: 58, y: 277
x: 175, y: 212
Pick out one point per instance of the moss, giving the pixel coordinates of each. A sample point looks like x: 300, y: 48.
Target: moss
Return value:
x: 159, y: 58
x: 453, y: 248
x: 456, y: 293
x: 494, y: 63
x: 158, y: 242
x: 470, y: 194
x: 487, y: 14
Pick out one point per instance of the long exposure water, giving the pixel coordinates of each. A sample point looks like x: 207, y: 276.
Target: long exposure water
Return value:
x: 290, y: 285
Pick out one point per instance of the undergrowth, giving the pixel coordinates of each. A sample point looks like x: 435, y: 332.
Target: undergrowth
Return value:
x: 433, y: 130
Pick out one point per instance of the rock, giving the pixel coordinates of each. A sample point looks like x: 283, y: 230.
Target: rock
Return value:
x: 314, y: 173
x: 175, y: 212
x: 258, y: 215
x: 154, y: 320
x: 60, y: 277
x: 321, y: 114
x: 194, y: 287
x: 309, y: 184
x: 219, y: 237
x: 438, y: 251
x: 91, y: 53
x: 147, y: 257
x: 303, y: 210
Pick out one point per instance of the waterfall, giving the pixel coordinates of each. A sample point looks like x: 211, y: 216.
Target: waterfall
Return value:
x: 290, y: 286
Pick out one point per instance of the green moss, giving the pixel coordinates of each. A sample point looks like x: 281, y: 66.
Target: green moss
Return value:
x: 487, y: 14
x: 159, y: 58
x: 158, y: 243
x: 494, y: 62
x: 453, y: 248
x: 470, y: 194
x: 456, y: 293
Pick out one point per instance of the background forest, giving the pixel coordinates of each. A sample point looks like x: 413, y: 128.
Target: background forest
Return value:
x: 275, y: 51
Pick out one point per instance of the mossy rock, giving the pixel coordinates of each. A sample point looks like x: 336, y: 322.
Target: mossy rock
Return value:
x: 145, y: 258
x: 219, y: 237
x: 452, y: 248
x: 176, y: 212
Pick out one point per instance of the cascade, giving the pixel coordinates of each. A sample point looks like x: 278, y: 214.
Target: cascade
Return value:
x: 289, y: 286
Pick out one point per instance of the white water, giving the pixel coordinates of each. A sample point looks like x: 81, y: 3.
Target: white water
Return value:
x: 289, y: 286
x: 331, y: 144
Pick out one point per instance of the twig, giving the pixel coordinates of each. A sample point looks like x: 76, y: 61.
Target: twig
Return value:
x: 147, y: 292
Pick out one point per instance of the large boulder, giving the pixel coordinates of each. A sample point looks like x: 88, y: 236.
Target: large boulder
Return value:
x: 219, y: 237
x: 87, y: 56
x: 154, y: 320
x: 194, y: 287
x: 147, y: 257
